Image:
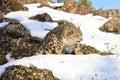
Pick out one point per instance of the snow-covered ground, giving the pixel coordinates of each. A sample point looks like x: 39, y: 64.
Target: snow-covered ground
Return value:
x: 84, y: 67
x: 71, y: 67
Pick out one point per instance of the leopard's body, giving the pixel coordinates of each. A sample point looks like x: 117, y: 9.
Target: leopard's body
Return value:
x: 66, y: 35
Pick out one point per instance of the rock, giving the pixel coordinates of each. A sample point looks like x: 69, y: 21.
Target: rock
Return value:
x: 16, y: 30
x: 2, y: 59
x: 42, y: 17
x: 100, y: 12
x: 8, y: 20
x: 112, y: 13
x: 69, y: 6
x: 43, y: 2
x: 25, y: 48
x: 112, y: 26
x: 13, y: 5
x: 3, y: 6
x: 1, y: 16
x: 18, y: 72
x: 86, y: 49
x: 16, y: 40
x: 76, y: 8
x: 28, y: 1
x: 83, y: 10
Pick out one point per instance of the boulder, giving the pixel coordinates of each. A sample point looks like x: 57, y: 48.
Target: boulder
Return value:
x: 69, y: 6
x: 15, y: 30
x: 112, y: 13
x: 16, y: 40
x: 13, y: 5
x: 3, y: 5
x: 76, y: 8
x: 100, y: 12
x: 8, y: 20
x: 42, y: 17
x: 18, y: 72
x: 43, y: 2
x: 1, y: 16
x: 2, y: 59
x: 112, y: 26
x: 87, y: 49
x: 83, y: 10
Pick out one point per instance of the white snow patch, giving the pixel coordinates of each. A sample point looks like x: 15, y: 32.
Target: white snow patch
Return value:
x: 2, y: 24
x: 39, y: 29
x: 9, y: 58
x: 69, y: 67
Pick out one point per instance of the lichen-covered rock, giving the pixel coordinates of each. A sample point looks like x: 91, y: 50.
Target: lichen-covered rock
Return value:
x: 16, y: 30
x: 76, y: 8
x: 112, y: 13
x: 112, y: 26
x: 70, y: 6
x: 83, y: 10
x: 1, y: 16
x: 100, y: 12
x: 107, y: 13
x: 13, y: 5
x: 28, y: 1
x: 86, y: 49
x: 9, y: 20
x: 42, y: 17
x: 2, y: 60
x: 16, y: 40
x: 3, y: 6
x: 24, y: 48
x: 18, y: 72
x: 43, y: 2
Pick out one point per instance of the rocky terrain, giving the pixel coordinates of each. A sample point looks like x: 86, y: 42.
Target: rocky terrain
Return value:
x: 16, y: 40
x: 76, y: 8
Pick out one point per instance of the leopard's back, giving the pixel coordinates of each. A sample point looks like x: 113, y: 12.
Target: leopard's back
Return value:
x: 65, y: 35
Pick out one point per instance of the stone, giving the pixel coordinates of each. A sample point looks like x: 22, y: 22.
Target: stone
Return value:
x: 18, y: 72
x: 76, y: 8
x: 42, y: 17
x: 112, y: 26
x: 16, y: 40
x: 13, y: 5
x: 69, y: 6
x: 2, y: 59
x: 112, y: 12
x: 100, y: 12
